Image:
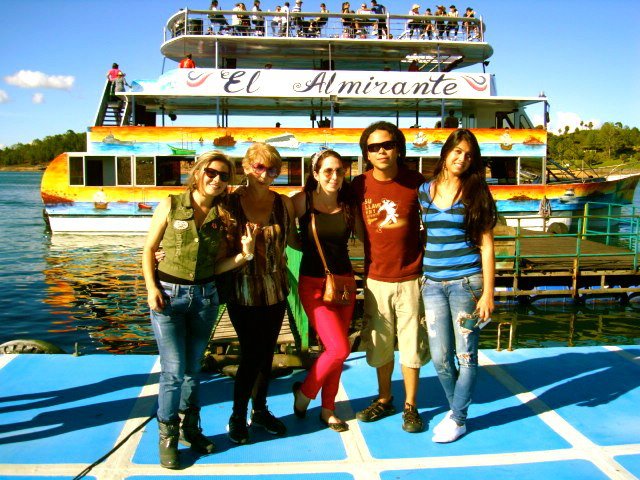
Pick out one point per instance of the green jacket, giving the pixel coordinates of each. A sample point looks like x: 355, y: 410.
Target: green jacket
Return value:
x: 190, y: 253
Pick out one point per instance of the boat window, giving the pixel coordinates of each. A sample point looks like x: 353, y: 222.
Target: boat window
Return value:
x: 124, y: 170
x: 505, y: 119
x: 291, y: 172
x: 530, y: 170
x: 99, y: 171
x: 503, y: 170
x: 168, y: 171
x: 144, y: 171
x: 76, y: 171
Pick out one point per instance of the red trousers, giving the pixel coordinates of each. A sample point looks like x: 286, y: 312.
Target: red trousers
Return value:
x: 331, y: 322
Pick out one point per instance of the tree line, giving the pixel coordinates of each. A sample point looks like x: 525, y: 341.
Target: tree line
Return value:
x: 612, y: 143
x: 40, y: 152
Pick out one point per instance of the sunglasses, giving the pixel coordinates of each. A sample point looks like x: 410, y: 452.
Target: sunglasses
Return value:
x: 375, y: 147
x: 213, y: 173
x: 328, y: 172
x: 259, y: 168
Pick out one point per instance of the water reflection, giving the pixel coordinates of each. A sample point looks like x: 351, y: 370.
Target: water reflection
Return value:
x: 96, y: 295
x: 94, y: 283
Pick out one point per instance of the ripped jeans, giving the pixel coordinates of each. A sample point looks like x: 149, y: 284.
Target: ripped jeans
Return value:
x: 449, y: 342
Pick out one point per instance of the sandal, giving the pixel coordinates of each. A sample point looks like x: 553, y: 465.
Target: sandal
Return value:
x: 296, y: 411
x: 339, y: 427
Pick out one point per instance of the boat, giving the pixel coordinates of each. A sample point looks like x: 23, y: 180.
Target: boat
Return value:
x: 181, y: 151
x: 224, y: 141
x: 286, y: 140
x: 420, y: 141
x: 110, y: 139
x: 246, y: 86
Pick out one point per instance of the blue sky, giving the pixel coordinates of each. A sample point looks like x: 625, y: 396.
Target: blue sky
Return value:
x: 583, y: 54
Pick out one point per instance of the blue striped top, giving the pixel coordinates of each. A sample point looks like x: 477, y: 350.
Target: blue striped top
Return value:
x: 448, y: 255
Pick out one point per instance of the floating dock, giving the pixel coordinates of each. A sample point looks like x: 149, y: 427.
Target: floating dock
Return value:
x: 562, y: 413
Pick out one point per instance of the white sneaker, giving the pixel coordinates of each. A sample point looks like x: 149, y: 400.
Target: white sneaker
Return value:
x: 437, y: 428
x: 449, y: 431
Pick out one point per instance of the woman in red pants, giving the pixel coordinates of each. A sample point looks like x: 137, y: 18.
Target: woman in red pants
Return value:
x: 327, y: 196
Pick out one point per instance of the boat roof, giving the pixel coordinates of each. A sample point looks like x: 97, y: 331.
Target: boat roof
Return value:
x: 346, y: 53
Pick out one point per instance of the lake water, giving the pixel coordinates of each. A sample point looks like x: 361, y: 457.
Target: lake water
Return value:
x: 88, y: 290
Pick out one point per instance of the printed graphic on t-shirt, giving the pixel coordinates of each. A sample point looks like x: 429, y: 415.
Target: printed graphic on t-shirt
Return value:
x: 382, y: 215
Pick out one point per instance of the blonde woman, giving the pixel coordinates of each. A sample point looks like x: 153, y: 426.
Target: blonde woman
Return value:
x: 183, y: 297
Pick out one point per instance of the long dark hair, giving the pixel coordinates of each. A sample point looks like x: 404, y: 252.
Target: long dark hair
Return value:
x: 346, y: 198
x: 480, y: 207
x: 396, y: 135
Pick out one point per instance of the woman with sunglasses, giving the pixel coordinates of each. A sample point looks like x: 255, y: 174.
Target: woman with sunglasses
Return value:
x: 458, y: 214
x: 328, y: 197
x: 182, y: 295
x: 258, y: 291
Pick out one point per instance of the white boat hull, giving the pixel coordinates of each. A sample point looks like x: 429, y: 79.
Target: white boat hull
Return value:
x: 104, y: 224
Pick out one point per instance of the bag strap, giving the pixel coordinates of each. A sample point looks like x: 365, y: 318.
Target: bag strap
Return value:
x: 315, y: 236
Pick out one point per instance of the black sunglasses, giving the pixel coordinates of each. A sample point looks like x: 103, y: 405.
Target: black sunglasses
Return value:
x: 375, y: 147
x: 213, y: 173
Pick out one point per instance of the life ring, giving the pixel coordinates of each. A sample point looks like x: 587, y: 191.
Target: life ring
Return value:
x: 29, y: 346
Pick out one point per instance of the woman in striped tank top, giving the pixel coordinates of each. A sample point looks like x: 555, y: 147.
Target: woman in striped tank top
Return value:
x: 458, y: 214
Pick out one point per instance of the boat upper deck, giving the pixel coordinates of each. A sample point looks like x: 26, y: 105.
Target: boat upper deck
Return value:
x: 328, y: 41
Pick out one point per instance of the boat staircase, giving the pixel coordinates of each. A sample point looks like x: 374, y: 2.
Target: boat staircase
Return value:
x: 112, y: 111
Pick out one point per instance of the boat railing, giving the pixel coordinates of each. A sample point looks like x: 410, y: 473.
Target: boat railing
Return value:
x: 325, y: 25
x: 601, y: 223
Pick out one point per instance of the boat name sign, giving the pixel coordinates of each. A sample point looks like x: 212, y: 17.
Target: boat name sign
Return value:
x: 312, y: 83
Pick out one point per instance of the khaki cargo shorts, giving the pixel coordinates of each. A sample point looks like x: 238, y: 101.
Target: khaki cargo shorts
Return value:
x: 394, y: 309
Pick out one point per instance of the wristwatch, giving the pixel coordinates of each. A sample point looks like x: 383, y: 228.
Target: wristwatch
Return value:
x: 247, y: 256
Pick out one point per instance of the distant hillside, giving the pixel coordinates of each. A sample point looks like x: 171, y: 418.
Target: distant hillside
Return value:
x: 41, y: 152
x: 611, y: 144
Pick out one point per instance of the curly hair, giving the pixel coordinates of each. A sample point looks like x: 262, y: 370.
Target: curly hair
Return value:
x: 480, y: 207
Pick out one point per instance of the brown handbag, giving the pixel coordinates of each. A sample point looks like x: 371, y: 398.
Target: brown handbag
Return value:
x: 337, y: 290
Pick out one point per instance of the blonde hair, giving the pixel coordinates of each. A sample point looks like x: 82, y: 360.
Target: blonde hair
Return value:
x: 263, y: 152
x: 205, y: 159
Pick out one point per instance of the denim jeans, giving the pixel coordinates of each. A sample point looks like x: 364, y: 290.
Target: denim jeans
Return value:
x: 448, y: 340
x: 182, y: 331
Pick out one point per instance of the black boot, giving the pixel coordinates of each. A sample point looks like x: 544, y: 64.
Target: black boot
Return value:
x: 168, y: 444
x: 191, y: 433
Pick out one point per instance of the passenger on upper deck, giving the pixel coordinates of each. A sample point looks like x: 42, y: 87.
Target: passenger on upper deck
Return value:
x: 257, y: 21
x: 187, y: 62
x: 440, y: 12
x: 428, y: 25
x: 284, y: 22
x: 362, y: 23
x: 347, y: 23
x: 217, y: 18
x: 471, y: 29
x: 413, y: 25
x: 319, y: 22
x: 452, y: 25
x: 381, y: 23
x: 240, y: 23
x: 276, y: 23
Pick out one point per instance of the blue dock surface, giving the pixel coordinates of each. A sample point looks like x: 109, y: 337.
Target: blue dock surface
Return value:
x: 561, y: 413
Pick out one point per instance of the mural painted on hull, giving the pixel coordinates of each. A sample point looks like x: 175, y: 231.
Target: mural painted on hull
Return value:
x: 299, y: 141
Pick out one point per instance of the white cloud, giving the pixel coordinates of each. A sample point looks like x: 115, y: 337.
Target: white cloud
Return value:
x: 4, y: 97
x: 572, y: 120
x: 31, y: 79
x: 37, y: 98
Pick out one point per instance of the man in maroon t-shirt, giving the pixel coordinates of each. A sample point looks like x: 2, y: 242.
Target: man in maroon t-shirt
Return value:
x: 387, y: 197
